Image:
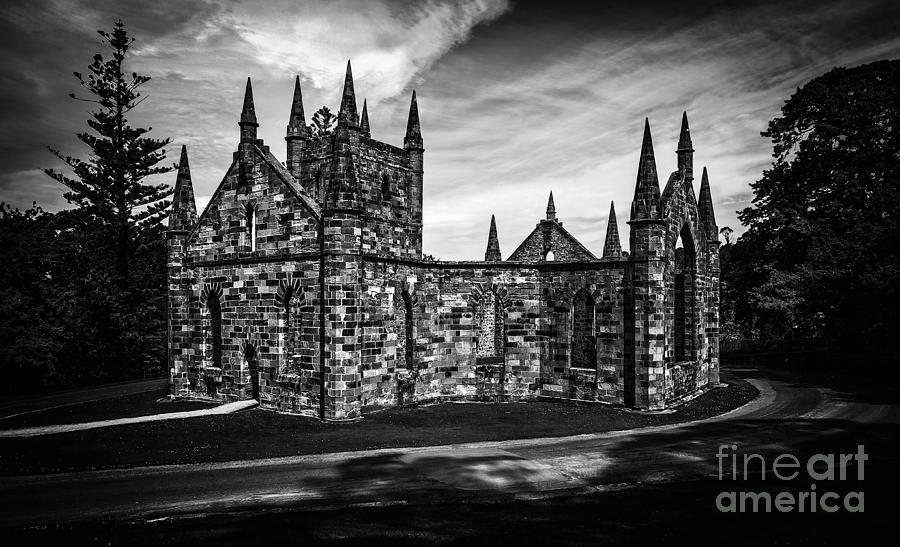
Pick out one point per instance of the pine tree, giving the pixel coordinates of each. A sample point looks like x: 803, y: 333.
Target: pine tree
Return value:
x: 114, y: 239
x: 110, y: 184
x: 323, y: 122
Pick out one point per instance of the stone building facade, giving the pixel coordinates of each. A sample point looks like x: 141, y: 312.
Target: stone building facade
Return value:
x: 303, y: 285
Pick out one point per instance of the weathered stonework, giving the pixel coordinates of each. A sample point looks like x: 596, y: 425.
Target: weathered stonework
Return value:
x: 305, y: 287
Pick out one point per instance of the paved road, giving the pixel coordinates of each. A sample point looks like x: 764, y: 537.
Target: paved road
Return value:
x: 23, y: 405
x: 787, y: 417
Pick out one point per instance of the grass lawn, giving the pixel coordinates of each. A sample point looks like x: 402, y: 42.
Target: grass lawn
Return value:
x: 129, y: 406
x: 262, y: 434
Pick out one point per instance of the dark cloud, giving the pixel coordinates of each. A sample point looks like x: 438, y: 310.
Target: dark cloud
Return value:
x: 514, y: 102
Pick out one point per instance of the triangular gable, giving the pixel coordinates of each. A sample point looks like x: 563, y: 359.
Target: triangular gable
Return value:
x: 281, y: 173
x: 551, y: 236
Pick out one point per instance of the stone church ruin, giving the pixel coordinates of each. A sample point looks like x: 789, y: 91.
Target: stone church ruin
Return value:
x: 303, y: 285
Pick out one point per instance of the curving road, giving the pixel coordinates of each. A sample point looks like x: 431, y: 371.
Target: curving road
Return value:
x: 788, y: 417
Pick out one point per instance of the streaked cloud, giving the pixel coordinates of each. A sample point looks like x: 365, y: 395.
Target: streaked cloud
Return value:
x: 516, y: 99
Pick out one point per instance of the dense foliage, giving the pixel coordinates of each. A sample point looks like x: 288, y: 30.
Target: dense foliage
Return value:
x: 83, y: 293
x: 820, y: 258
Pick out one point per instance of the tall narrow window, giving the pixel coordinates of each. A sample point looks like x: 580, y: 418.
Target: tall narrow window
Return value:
x: 214, y: 307
x: 289, y: 298
x: 408, y: 333
x: 251, y: 225
x: 584, y: 348
x: 549, y: 257
x: 251, y: 361
x: 684, y: 323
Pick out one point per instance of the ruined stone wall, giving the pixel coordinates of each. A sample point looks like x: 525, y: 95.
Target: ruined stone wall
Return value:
x: 691, y: 288
x: 452, y: 321
x: 251, y: 295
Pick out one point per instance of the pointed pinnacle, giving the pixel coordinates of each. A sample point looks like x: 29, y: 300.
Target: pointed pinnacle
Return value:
x: 364, y: 122
x: 705, y: 205
x: 348, y: 113
x: 493, y: 247
x: 612, y: 247
x: 647, y: 185
x: 551, y: 208
x: 184, y: 211
x: 684, y: 139
x: 183, y: 168
x: 248, y: 113
x: 297, y: 119
x: 413, y: 138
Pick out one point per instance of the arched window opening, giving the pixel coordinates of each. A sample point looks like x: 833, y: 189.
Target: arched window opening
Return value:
x: 489, y: 339
x: 549, y: 257
x: 250, y: 213
x: 684, y: 320
x: 584, y: 346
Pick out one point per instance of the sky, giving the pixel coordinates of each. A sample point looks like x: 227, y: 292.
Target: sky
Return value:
x: 515, y: 98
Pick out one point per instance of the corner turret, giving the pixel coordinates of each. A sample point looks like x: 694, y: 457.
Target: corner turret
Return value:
x: 248, y: 125
x: 296, y: 133
x: 685, y: 151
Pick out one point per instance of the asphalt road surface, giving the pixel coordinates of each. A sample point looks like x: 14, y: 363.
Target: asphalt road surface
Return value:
x: 787, y: 418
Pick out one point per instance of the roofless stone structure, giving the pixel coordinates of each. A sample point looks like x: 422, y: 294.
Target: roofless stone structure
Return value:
x: 303, y: 285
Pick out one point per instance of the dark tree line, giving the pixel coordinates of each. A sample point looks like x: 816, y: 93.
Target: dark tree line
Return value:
x: 84, y: 290
x: 820, y: 259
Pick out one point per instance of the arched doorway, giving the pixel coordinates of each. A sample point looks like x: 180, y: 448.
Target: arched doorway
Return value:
x: 584, y: 346
x: 685, y: 274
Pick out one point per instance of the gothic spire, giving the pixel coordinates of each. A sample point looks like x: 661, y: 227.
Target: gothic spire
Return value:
x: 347, y: 114
x: 646, y: 189
x: 364, y: 122
x: 612, y: 248
x: 297, y: 121
x: 705, y: 208
x: 684, y: 139
x: 551, y: 208
x: 685, y: 150
x: 413, y: 138
x: 184, y: 210
x: 248, y: 114
x: 493, y: 247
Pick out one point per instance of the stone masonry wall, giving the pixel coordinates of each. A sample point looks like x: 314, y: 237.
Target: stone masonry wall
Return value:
x: 536, y: 324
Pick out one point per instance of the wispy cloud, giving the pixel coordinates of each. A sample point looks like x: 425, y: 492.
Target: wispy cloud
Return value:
x: 516, y: 99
